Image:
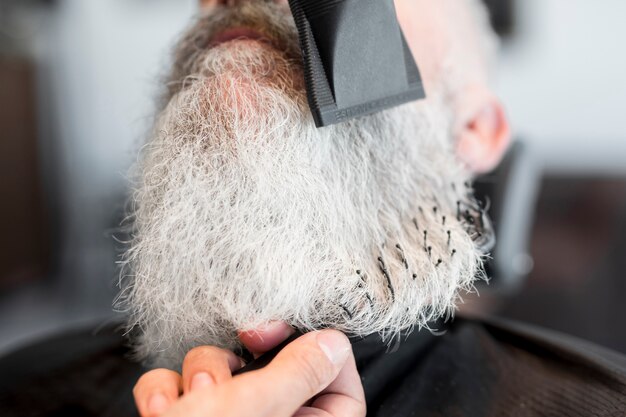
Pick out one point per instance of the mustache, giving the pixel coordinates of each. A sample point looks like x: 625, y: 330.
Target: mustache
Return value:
x: 274, y: 22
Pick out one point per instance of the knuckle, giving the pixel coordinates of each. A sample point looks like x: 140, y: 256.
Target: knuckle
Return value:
x: 201, y: 353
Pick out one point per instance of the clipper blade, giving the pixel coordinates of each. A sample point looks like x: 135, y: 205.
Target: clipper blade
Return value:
x: 356, y: 59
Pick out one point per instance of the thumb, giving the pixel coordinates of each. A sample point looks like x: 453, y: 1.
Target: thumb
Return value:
x: 300, y: 371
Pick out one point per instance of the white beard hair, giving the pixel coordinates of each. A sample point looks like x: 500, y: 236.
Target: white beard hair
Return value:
x: 245, y: 213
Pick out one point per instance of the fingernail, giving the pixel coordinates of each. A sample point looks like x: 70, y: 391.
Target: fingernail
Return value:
x: 335, y: 345
x: 272, y: 325
x: 157, y: 404
x: 277, y: 326
x: 201, y: 380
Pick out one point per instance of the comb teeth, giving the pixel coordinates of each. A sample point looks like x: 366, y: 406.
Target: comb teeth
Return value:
x: 318, y: 90
x: 318, y: 8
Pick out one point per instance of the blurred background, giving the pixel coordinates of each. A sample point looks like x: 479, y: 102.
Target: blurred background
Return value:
x: 77, y: 84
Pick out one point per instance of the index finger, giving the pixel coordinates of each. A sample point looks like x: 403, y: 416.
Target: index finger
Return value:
x: 156, y: 390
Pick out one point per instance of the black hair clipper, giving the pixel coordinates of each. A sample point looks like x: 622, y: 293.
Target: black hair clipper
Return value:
x: 356, y: 59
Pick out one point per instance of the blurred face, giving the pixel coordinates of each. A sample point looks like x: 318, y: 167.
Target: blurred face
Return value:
x: 423, y: 22
x: 245, y: 213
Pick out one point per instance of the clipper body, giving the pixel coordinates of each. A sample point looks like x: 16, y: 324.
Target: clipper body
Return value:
x: 356, y: 59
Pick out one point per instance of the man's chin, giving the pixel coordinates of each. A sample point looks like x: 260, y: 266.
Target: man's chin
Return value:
x: 253, y: 44
x: 240, y: 67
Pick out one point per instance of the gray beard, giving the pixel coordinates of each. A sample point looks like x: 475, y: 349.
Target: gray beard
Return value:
x: 245, y: 213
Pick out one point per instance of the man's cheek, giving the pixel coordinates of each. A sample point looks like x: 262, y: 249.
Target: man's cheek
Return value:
x: 423, y: 30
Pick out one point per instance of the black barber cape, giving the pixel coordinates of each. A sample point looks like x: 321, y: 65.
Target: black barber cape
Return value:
x: 475, y: 368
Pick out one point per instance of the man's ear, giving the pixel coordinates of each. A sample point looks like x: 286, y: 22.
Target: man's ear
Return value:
x: 484, y: 132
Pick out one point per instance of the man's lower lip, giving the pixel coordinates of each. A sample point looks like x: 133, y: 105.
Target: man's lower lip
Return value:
x: 238, y: 34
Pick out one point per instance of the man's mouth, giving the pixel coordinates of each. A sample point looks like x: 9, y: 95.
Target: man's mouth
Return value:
x: 239, y: 34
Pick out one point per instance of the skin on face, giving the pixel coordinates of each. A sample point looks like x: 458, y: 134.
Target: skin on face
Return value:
x: 483, y: 133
